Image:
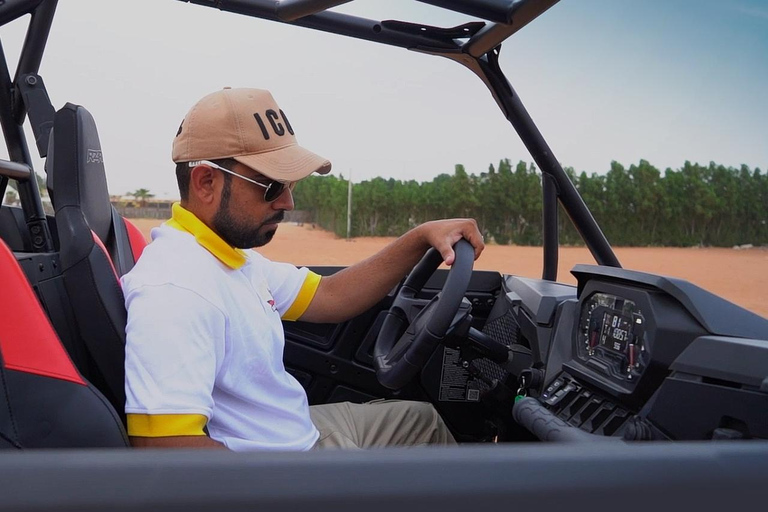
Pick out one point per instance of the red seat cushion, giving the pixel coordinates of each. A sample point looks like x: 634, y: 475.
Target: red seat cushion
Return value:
x: 28, y: 342
x: 136, y: 237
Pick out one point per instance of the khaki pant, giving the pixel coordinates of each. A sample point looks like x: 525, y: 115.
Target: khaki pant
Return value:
x: 378, y: 424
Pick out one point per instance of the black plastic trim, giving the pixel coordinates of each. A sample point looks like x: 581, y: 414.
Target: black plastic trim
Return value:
x: 541, y: 298
x: 736, y: 360
x: 717, y: 315
x: 652, y: 476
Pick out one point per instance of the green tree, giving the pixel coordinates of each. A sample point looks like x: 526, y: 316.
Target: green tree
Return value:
x: 10, y: 197
x: 712, y: 205
x: 142, y: 195
x: 646, y: 197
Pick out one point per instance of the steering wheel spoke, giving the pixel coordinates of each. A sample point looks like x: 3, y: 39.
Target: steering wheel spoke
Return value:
x: 401, y: 347
x: 410, y: 307
x: 414, y: 327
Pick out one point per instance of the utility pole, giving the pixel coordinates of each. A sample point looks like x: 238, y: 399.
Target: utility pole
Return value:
x: 349, y: 205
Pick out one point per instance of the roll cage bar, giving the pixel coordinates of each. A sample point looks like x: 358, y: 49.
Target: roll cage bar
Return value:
x: 475, y: 45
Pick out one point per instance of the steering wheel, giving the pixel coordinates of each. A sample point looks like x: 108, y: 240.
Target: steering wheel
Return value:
x: 413, y: 327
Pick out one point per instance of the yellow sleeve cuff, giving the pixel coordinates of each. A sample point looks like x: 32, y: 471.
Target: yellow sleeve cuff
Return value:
x: 304, y: 298
x: 166, y: 425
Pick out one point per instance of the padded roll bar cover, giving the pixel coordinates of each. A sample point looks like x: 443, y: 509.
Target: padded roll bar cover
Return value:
x: 77, y: 171
x: 531, y: 414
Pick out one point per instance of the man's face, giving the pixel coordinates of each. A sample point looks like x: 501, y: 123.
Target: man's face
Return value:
x: 244, y: 219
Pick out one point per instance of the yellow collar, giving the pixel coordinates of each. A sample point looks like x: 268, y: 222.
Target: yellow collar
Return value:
x: 184, y: 220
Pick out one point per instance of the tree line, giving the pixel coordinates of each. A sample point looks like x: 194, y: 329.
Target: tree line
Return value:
x: 709, y: 205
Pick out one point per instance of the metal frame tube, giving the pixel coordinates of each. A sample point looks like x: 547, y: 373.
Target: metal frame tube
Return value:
x: 16, y: 142
x: 15, y: 170
x: 488, y: 38
x: 292, y: 10
x: 518, y: 12
x: 32, y: 52
x: 37, y: 37
x: 14, y: 133
x: 518, y: 116
x: 499, y: 11
x: 550, y: 234
x: 336, y: 23
x: 523, y: 12
x: 14, y: 9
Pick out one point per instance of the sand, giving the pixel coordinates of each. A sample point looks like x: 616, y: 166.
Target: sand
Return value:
x: 740, y: 276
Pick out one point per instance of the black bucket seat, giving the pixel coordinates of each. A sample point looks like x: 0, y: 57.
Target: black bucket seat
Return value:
x: 44, y: 401
x: 95, y: 245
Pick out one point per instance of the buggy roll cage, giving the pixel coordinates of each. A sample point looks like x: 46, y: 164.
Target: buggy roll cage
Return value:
x: 475, y: 45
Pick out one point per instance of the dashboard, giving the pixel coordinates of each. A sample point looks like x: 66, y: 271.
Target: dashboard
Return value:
x: 640, y: 357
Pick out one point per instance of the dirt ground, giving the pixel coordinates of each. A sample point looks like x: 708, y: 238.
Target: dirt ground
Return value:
x: 740, y: 276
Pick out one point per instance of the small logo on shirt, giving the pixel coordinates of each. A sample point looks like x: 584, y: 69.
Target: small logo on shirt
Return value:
x: 272, y: 303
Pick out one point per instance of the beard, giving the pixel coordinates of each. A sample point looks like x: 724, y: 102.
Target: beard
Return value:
x: 240, y: 234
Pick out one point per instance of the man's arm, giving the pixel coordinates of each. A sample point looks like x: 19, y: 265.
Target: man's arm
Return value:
x: 174, y: 338
x: 355, y: 289
x: 175, y: 442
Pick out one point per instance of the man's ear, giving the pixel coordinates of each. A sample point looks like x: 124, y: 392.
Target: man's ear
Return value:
x: 203, y: 184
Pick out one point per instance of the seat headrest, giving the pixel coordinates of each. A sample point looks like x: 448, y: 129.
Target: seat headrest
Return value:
x: 76, y: 168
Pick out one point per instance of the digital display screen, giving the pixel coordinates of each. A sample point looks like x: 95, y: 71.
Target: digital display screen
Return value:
x: 616, y: 331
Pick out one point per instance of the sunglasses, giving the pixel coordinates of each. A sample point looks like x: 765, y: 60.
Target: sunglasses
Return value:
x: 272, y: 191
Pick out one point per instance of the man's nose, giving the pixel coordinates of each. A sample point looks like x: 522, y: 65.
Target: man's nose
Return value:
x: 284, y: 201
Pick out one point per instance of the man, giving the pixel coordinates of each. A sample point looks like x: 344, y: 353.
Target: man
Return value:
x: 204, y: 350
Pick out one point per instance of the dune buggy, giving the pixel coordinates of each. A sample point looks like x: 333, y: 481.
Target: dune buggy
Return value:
x: 627, y: 391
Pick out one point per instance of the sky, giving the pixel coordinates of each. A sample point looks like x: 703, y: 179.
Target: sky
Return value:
x: 663, y: 80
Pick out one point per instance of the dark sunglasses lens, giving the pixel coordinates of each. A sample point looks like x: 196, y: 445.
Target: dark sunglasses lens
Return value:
x: 273, y: 191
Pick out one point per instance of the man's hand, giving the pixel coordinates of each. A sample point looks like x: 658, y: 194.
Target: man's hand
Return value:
x: 355, y: 289
x: 443, y: 234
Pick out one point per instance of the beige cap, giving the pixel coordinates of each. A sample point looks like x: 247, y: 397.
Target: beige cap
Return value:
x: 247, y: 125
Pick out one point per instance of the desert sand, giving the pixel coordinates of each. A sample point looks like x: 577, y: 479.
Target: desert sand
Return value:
x: 740, y: 276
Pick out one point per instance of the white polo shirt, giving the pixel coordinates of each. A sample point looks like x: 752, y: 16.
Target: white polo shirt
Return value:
x: 204, y: 341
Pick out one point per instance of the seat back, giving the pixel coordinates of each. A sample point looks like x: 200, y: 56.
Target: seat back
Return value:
x: 92, y: 237
x: 44, y: 401
x: 76, y: 176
